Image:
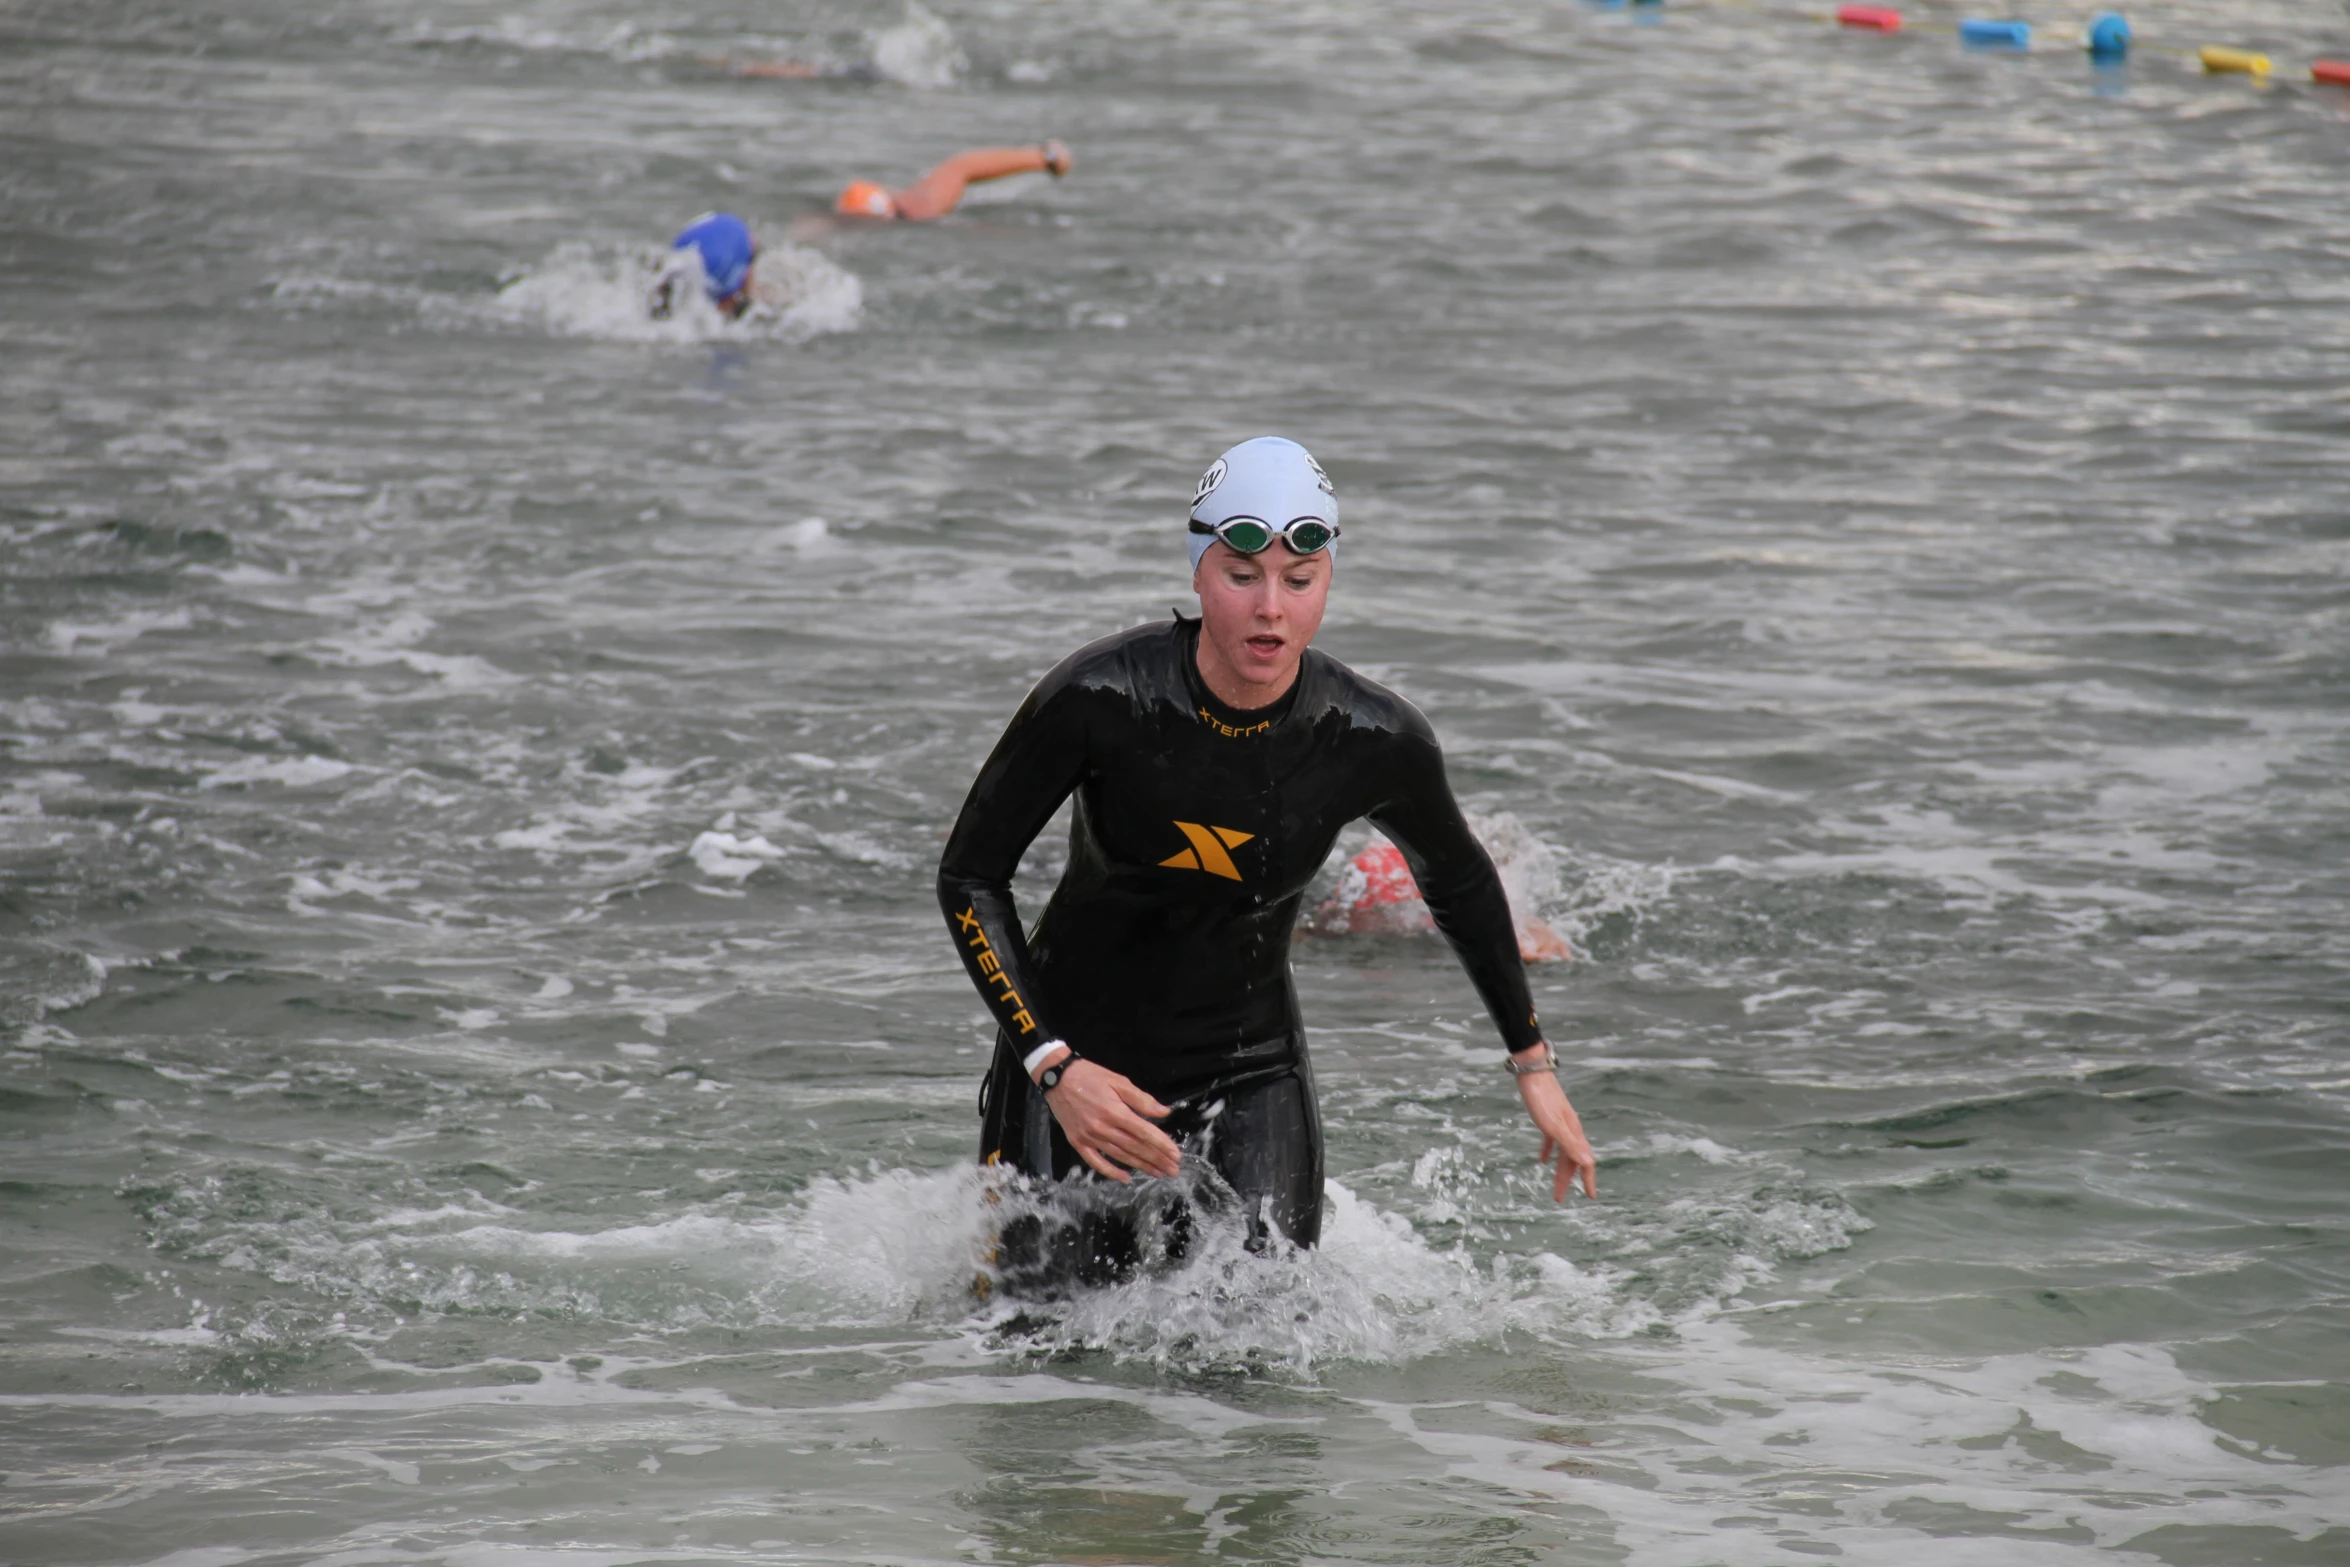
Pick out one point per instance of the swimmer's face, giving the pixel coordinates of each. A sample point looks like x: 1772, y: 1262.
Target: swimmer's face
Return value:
x: 1259, y: 612
x: 734, y: 304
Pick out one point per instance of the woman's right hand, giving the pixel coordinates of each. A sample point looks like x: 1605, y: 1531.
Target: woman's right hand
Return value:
x: 1101, y: 1113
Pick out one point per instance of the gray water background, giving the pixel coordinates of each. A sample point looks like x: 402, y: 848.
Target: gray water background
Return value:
x: 484, y: 1082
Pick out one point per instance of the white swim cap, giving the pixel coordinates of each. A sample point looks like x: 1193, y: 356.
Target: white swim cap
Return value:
x: 1273, y: 480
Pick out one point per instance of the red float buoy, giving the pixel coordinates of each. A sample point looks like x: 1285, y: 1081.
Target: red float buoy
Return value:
x: 1877, y: 18
x: 2336, y: 72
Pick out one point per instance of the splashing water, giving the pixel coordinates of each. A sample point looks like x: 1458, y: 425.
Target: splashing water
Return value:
x: 583, y: 291
x: 898, y: 1247
x: 918, y: 51
x: 1374, y: 895
x: 1373, y: 1290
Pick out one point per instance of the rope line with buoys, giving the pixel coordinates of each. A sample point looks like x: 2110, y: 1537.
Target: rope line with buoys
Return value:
x: 2107, y: 39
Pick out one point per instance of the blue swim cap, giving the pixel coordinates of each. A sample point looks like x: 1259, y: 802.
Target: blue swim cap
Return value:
x: 1271, y: 479
x: 724, y: 243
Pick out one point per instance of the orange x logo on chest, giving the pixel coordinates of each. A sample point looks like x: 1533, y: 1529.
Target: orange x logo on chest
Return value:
x: 1207, y: 851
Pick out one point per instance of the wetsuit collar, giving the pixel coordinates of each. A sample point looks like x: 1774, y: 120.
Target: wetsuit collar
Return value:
x: 1233, y: 723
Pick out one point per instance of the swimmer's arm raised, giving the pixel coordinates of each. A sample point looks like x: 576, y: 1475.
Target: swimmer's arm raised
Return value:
x: 935, y: 194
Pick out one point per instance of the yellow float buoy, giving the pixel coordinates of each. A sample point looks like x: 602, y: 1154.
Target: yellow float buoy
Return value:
x: 2232, y: 62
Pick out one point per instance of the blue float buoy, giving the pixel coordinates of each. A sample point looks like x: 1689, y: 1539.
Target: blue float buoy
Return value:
x: 1996, y: 35
x: 2108, y: 37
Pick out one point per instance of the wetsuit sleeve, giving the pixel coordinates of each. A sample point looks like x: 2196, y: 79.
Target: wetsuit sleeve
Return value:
x: 1457, y: 880
x: 1039, y: 760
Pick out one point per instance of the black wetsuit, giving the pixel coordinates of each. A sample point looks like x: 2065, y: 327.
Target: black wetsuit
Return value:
x: 1164, y: 952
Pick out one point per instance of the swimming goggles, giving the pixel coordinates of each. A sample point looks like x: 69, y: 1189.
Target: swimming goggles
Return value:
x: 1253, y: 536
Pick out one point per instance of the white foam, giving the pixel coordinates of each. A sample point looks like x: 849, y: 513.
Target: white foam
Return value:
x: 583, y: 291
x: 918, y: 51
x: 900, y: 1247
x: 622, y: 42
x: 862, y: 850
x: 1666, y: 1144
x: 1875, y: 1447
x: 176, y: 1338
x: 70, y: 636
x: 38, y: 980
x: 1528, y: 867
x: 300, y: 772
x: 725, y: 855
x: 893, y: 1247
x: 1373, y: 1290
x: 808, y: 536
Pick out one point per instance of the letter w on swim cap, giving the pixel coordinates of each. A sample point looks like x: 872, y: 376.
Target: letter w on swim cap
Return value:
x: 1269, y: 478
x: 723, y: 241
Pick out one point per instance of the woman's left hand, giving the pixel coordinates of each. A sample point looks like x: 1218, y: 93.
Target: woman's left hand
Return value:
x: 1562, y: 1134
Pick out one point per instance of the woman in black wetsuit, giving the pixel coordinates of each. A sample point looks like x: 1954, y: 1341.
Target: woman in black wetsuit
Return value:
x: 1214, y: 762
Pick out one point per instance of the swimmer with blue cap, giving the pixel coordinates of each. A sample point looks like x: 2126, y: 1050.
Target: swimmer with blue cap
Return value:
x: 722, y: 244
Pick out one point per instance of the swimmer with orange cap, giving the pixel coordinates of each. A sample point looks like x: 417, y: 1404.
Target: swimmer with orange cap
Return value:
x: 934, y: 195
x: 789, y: 70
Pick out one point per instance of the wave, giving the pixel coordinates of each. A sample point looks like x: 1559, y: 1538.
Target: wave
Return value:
x: 37, y: 980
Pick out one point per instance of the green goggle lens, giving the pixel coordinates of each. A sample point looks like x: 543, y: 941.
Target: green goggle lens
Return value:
x: 1250, y: 536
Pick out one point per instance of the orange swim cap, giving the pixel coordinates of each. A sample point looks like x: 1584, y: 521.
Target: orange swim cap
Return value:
x: 864, y: 199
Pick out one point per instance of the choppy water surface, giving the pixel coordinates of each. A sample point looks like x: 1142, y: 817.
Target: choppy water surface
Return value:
x: 483, y: 1082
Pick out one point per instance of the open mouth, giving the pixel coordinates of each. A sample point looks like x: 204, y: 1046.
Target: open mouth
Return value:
x: 1265, y: 647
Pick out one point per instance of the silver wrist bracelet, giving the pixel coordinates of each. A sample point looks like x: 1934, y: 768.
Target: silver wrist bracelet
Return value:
x: 1549, y: 1062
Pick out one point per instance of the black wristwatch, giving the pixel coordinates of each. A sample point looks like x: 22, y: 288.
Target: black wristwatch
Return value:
x: 1050, y: 1078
